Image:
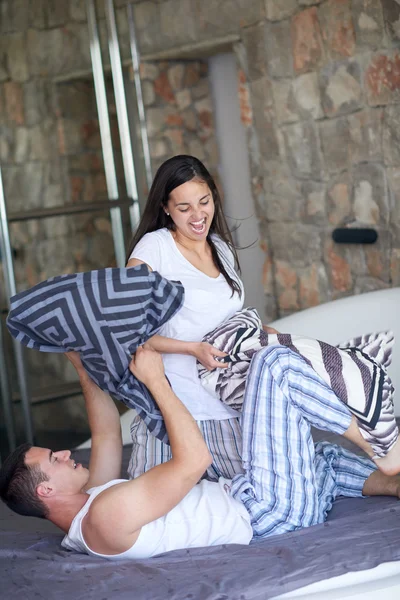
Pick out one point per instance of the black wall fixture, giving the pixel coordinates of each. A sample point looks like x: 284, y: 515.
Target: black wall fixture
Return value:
x: 354, y: 235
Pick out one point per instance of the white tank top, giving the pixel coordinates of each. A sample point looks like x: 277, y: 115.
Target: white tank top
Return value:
x: 207, y: 516
x: 208, y: 302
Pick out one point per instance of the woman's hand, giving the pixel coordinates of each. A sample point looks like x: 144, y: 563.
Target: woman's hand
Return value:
x: 206, y: 353
x: 269, y: 329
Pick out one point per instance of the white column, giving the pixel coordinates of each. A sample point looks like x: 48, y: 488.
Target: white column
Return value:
x: 234, y: 173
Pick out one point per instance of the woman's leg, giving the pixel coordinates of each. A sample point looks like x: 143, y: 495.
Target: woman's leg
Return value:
x: 284, y: 396
x: 339, y: 472
x: 223, y: 438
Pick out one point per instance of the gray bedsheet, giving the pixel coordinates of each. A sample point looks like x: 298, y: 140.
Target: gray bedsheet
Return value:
x: 360, y: 534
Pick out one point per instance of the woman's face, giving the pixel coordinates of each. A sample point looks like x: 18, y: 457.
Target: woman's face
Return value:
x: 191, y: 207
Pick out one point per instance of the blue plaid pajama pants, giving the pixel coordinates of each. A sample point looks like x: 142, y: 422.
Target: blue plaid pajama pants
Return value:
x: 288, y: 483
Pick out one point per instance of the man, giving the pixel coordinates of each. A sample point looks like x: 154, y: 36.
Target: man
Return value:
x: 287, y: 484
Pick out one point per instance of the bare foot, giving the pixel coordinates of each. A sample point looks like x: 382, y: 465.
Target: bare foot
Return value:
x: 390, y: 464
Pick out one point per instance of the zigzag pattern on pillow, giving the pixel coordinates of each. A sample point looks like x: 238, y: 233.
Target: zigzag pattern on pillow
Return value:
x: 104, y: 315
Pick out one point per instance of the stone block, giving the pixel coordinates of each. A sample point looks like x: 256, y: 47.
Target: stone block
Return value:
x: 283, y: 195
x: 201, y: 89
x: 382, y: 78
x: 285, y: 104
x: 222, y: 17
x: 148, y: 26
x: 17, y: 63
x: 365, y: 134
x: 363, y: 285
x: 335, y: 143
x: 69, y: 136
x: 308, y: 2
x: 395, y: 267
x: 314, y: 195
x: 37, y: 101
x: 297, y: 244
x: 163, y: 89
x: 176, y: 140
x: 58, y: 51
x: 14, y: 102
x: 265, y: 130
x: 341, y: 88
x: 178, y: 23
x: 38, y: 14
x: 57, y: 13
x: 351, y: 140
x: 307, y: 45
x: 338, y: 200
x: 313, y: 286
x: 307, y: 96
x: 276, y: 10
x: 303, y: 150
x: 14, y: 16
x: 43, y: 144
x: 338, y: 268
x: 370, y: 194
x: 189, y: 117
x: 391, y: 135
x: 391, y: 15
x: 255, y: 41
x: 337, y: 28
x: 393, y: 175
x: 287, y: 286
x: 148, y: 93
x: 156, y: 118
x: 279, y: 52
x: 7, y: 143
x: 3, y: 59
x: 23, y: 185
x: 368, y: 23
x: 149, y: 70
x: 245, y: 105
x: 77, y: 10
x: 22, y: 144
x: 175, y: 76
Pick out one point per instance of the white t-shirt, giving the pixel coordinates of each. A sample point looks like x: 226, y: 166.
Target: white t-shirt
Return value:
x: 208, y: 302
x: 207, y: 516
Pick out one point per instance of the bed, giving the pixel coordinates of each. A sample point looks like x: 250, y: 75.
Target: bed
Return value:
x: 355, y: 554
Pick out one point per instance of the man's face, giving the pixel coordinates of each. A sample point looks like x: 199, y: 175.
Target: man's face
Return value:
x: 65, y: 476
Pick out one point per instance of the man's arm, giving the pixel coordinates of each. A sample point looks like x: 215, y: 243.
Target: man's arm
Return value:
x: 156, y: 492
x: 105, y: 428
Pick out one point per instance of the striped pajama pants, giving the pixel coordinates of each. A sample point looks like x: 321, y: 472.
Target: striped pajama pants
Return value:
x: 223, y: 438
x: 283, y: 480
x: 288, y: 483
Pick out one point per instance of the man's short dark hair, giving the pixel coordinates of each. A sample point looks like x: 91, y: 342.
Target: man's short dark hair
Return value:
x: 18, y: 483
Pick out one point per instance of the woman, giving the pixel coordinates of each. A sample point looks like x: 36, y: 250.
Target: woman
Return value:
x: 184, y: 236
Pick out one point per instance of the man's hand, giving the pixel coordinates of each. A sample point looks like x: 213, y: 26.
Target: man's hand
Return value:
x: 75, y: 359
x: 147, y: 365
x: 206, y: 355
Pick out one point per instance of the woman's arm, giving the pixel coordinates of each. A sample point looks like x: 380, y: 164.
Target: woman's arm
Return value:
x: 205, y: 353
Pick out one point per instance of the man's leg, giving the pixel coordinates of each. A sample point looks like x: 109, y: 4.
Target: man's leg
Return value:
x: 283, y: 398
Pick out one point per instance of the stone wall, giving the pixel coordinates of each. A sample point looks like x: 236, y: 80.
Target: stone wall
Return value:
x: 319, y: 87
x: 50, y: 153
x: 179, y: 116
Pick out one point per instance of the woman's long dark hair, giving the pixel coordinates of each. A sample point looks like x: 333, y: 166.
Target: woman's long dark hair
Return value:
x: 173, y: 173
